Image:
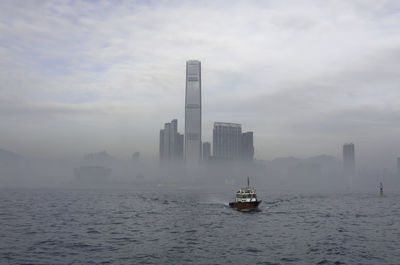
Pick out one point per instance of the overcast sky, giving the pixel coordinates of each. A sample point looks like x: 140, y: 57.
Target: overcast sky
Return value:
x: 305, y: 76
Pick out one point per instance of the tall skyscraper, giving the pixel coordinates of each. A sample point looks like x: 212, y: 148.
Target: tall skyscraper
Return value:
x: 171, y: 142
x: 206, y: 150
x: 349, y: 162
x: 227, y: 140
x: 247, y: 146
x: 193, y: 112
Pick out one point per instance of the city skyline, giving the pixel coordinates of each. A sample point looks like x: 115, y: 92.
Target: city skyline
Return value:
x: 80, y: 77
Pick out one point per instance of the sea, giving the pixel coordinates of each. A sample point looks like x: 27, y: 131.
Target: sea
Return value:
x: 183, y: 225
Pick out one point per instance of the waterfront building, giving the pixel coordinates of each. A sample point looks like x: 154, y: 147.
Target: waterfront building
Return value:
x: 398, y: 166
x: 206, y: 150
x: 349, y: 163
x: 247, y: 149
x: 171, y: 142
x: 136, y: 156
x: 161, y: 141
x: 227, y: 139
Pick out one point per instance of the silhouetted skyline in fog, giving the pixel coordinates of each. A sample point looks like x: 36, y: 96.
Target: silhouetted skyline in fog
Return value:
x: 78, y: 77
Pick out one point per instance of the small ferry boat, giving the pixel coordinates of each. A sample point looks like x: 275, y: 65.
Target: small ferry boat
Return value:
x: 246, y: 199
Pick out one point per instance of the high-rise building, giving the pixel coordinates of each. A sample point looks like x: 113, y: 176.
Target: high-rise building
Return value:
x: 398, y: 166
x: 171, y: 142
x: 247, y: 146
x: 166, y: 150
x: 206, y: 150
x: 349, y: 163
x: 227, y: 140
x: 136, y: 156
x: 179, y: 145
x: 173, y: 138
x: 161, y: 144
x: 193, y: 112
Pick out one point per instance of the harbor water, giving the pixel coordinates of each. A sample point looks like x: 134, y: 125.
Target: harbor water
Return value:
x: 196, y: 226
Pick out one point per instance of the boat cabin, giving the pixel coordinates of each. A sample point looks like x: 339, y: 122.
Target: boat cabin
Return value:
x: 246, y: 195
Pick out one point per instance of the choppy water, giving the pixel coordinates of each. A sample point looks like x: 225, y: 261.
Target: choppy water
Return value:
x: 163, y: 226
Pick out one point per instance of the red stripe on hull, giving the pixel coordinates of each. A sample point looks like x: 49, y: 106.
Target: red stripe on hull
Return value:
x: 244, y: 205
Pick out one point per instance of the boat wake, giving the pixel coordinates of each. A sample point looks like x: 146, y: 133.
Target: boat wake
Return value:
x: 215, y: 201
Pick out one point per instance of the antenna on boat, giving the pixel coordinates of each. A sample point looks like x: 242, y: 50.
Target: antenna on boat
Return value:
x: 248, y: 181
x: 381, y: 189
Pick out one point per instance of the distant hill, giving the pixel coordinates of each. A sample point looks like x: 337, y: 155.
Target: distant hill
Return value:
x: 100, y: 156
x: 292, y: 161
x: 6, y: 155
x: 322, y: 159
x: 284, y: 161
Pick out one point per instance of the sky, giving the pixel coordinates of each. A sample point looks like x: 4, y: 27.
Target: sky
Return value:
x: 305, y: 76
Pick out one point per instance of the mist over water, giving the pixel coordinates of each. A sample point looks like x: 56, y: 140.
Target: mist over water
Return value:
x: 102, y: 170
x: 193, y: 226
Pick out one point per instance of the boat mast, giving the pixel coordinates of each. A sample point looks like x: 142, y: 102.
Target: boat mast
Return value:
x: 248, y: 181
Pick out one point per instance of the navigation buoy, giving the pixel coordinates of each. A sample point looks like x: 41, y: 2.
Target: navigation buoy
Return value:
x: 381, y: 190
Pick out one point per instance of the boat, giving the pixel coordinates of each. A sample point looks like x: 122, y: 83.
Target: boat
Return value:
x: 245, y: 199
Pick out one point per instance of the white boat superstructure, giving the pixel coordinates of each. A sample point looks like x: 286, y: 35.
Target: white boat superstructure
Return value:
x: 246, y: 195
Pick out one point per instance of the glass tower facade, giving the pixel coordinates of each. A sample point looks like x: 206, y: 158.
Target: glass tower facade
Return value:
x: 193, y: 112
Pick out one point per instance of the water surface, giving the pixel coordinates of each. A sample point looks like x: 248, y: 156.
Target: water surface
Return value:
x: 195, y: 226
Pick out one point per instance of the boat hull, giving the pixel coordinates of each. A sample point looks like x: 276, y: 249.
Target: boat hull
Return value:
x: 245, y: 206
